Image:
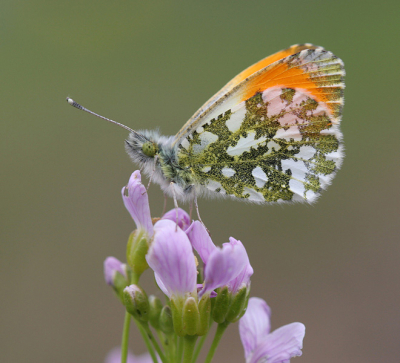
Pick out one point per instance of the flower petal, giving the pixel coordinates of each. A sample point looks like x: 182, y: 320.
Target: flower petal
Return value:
x: 213, y: 293
x: 136, y: 202
x: 171, y: 258
x: 281, y: 345
x: 243, y: 279
x: 161, y: 284
x: 200, y: 240
x: 111, y: 266
x: 223, y: 265
x: 255, y: 325
x: 183, y: 218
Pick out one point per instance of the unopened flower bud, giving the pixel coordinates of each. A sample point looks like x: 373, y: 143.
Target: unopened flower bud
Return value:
x: 138, y: 245
x: 246, y: 303
x: 116, y: 274
x: 155, y: 311
x: 166, y: 324
x: 136, y: 303
x: 221, y: 305
x: 238, y: 305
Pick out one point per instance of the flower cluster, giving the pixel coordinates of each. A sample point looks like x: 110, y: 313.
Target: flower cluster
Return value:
x: 196, y: 296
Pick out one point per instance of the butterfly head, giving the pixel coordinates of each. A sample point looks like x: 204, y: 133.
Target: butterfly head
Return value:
x: 154, y: 153
x: 149, y: 149
x: 142, y: 146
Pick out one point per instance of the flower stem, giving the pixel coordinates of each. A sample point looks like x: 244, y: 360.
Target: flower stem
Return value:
x: 154, y: 341
x: 135, y: 278
x: 125, y: 337
x: 171, y: 347
x: 125, y: 330
x: 199, y: 346
x: 147, y: 341
x: 164, y: 340
x: 218, y: 335
x: 179, y: 349
x: 188, y: 347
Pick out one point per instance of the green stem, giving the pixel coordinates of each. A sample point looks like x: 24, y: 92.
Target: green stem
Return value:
x: 164, y: 342
x: 154, y: 341
x: 125, y: 338
x: 199, y: 346
x: 147, y: 341
x: 188, y: 347
x: 125, y: 331
x: 171, y: 347
x: 218, y: 335
x: 177, y: 347
x: 180, y: 350
x: 135, y: 278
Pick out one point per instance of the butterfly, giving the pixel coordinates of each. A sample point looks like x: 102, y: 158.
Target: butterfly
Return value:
x: 270, y: 135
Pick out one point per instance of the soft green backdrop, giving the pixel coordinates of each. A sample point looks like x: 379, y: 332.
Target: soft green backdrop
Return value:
x: 333, y: 266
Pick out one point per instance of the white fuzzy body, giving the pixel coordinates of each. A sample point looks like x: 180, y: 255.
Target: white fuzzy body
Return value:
x: 164, y: 168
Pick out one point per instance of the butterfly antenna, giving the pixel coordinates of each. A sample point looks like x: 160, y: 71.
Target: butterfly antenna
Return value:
x: 79, y: 107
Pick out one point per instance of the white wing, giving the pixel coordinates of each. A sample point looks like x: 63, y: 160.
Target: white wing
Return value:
x: 274, y: 136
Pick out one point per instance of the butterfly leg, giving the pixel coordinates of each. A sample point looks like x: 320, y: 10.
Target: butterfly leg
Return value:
x: 152, y: 173
x: 190, y: 209
x: 198, y: 213
x: 175, y: 204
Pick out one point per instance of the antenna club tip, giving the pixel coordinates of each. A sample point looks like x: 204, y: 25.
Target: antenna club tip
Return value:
x: 79, y: 107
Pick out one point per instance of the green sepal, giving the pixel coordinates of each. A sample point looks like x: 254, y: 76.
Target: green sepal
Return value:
x: 205, y: 311
x: 155, y: 311
x: 176, y: 305
x: 166, y: 323
x: 221, y: 305
x: 119, y: 283
x: 191, y: 316
x: 136, y: 250
x: 237, y: 306
x: 246, y: 303
x: 136, y: 303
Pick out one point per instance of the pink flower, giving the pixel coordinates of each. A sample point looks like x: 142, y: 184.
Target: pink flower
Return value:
x: 260, y: 345
x: 183, y: 218
x: 136, y: 202
x: 226, y: 266
x: 112, y: 266
x: 172, y: 260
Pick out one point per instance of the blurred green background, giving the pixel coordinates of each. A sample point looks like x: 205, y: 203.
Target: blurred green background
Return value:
x: 333, y: 266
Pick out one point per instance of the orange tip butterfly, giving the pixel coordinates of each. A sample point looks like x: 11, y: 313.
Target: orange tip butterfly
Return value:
x: 270, y: 135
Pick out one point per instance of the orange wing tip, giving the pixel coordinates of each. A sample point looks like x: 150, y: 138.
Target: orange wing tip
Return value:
x: 317, y: 71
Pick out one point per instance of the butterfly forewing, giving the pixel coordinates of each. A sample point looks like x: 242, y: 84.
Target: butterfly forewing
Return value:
x: 241, y: 77
x: 275, y: 136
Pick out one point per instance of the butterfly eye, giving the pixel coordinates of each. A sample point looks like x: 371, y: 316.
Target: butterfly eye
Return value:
x: 149, y: 148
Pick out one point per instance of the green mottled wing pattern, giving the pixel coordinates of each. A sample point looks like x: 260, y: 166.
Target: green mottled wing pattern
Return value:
x: 281, y: 144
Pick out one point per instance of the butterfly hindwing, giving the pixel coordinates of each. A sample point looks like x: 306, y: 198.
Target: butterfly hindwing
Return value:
x: 273, y: 137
